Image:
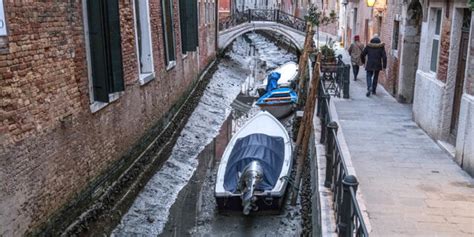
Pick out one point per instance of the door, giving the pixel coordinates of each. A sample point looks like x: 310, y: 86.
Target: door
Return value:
x: 458, y: 89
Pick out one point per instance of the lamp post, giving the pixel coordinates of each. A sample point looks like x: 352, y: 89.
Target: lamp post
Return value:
x: 370, y: 3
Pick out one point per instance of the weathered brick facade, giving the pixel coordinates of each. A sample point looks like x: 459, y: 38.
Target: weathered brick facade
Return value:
x: 51, y: 144
x: 390, y: 15
x: 444, y: 48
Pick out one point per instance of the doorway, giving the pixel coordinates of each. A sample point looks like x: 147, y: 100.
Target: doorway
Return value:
x: 460, y: 74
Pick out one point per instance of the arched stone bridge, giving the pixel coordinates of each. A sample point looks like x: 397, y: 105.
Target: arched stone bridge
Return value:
x: 291, y: 27
x: 227, y: 36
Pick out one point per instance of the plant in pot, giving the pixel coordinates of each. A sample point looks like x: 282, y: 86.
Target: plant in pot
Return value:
x: 328, y: 54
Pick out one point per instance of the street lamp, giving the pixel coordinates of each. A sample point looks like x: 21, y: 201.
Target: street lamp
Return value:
x: 370, y: 3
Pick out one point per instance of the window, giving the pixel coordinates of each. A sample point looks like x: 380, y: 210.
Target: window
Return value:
x: 143, y: 36
x: 105, y: 48
x: 168, y: 33
x: 189, y: 25
x: 396, y: 32
x: 436, y: 19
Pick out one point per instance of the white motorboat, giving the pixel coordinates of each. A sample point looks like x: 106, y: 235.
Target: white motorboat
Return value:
x: 254, y: 169
x: 288, y: 73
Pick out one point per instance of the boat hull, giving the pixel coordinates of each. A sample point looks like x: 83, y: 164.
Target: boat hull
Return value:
x: 278, y: 110
x: 264, y: 204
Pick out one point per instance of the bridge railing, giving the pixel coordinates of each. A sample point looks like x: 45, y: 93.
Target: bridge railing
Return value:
x: 263, y: 15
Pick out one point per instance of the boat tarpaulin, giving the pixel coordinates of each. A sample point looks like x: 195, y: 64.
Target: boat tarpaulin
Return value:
x: 272, y: 81
x: 268, y: 150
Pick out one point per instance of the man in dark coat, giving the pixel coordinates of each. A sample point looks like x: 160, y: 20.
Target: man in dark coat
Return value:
x: 376, y: 61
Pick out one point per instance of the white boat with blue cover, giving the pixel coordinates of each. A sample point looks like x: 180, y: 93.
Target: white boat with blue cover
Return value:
x: 253, y: 170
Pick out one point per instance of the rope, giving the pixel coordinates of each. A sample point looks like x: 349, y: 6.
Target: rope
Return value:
x: 291, y: 182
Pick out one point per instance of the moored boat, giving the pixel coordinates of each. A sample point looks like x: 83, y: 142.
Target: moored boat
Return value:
x: 279, y: 102
x: 253, y: 170
x: 288, y: 73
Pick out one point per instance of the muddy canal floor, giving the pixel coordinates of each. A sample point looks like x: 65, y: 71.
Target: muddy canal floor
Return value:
x: 195, y: 211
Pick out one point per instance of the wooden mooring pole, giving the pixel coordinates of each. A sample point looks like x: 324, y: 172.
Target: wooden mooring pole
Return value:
x: 303, y: 63
x: 306, y: 126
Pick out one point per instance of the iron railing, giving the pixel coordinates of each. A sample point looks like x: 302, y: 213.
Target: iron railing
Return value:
x: 336, y: 77
x: 263, y: 15
x: 349, y: 218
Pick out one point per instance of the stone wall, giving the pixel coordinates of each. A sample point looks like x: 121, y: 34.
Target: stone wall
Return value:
x: 51, y: 145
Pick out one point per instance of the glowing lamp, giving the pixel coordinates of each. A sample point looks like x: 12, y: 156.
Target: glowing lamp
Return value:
x: 370, y: 3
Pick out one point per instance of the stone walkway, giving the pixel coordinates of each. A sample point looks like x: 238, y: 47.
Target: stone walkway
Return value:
x: 411, y: 187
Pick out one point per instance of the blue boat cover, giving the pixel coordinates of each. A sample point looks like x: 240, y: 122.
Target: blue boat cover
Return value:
x: 280, y: 92
x: 268, y: 150
x: 272, y: 81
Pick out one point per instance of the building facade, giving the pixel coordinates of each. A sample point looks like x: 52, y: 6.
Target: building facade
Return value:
x: 444, y: 94
x: 81, y: 82
x: 429, y: 64
x: 225, y: 8
x: 242, y: 5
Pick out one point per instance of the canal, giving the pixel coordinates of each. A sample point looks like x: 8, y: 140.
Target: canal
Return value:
x: 179, y: 199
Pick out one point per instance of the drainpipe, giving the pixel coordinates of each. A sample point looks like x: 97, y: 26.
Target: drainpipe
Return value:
x: 216, y: 30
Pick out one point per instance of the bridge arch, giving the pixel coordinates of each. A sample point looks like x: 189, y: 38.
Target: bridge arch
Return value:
x: 226, y: 37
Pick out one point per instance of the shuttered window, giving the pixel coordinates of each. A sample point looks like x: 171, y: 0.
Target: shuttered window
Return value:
x: 168, y: 32
x: 189, y: 25
x: 105, y: 48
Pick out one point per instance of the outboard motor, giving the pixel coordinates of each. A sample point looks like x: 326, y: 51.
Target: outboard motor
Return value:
x: 251, y: 176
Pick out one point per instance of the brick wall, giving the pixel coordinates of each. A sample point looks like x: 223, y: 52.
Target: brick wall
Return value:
x: 51, y: 145
x: 444, y: 47
x: 206, y: 29
x: 390, y: 79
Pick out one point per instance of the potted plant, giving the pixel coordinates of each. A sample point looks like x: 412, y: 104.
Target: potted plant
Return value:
x: 328, y: 54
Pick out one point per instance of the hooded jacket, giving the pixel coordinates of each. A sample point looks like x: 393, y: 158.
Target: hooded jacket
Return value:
x: 376, y: 56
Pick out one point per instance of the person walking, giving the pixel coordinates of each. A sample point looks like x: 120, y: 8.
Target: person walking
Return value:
x: 376, y: 61
x: 355, y: 51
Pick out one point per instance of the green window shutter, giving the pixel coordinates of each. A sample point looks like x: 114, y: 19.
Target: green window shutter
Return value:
x: 115, y: 46
x: 189, y: 26
x: 98, y: 52
x: 183, y: 20
x: 193, y: 25
x: 168, y: 30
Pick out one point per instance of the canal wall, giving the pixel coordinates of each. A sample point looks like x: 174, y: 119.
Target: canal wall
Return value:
x: 100, y: 205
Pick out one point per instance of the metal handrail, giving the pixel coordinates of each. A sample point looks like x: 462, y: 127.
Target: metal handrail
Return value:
x: 349, y: 219
x: 249, y: 15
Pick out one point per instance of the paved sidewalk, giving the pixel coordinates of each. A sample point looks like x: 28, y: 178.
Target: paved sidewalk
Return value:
x: 411, y: 187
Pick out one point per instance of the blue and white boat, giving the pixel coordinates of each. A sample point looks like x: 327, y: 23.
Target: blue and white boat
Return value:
x: 279, y: 102
x: 253, y: 170
x: 288, y: 73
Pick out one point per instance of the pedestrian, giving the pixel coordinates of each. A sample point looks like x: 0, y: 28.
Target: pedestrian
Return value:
x: 355, y: 51
x: 376, y: 61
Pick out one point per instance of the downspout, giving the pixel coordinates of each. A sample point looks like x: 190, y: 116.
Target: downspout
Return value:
x: 216, y: 31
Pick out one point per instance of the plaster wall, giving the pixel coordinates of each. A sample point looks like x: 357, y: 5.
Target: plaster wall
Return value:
x: 429, y: 94
x: 465, y: 136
